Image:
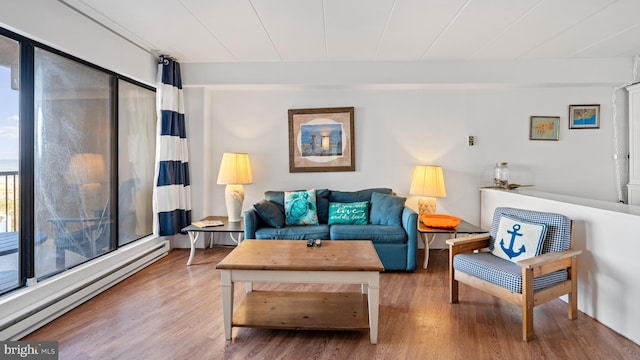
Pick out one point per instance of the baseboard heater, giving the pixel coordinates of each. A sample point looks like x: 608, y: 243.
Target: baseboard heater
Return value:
x: 70, y: 292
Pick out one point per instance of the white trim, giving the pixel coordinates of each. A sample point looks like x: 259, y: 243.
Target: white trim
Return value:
x: 110, y: 25
x: 519, y: 73
x: 29, y: 308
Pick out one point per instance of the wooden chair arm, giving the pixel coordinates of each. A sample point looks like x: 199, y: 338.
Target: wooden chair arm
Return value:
x: 468, y: 243
x: 549, y: 262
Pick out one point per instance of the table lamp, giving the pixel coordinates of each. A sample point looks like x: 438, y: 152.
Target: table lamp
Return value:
x: 428, y: 181
x: 235, y: 171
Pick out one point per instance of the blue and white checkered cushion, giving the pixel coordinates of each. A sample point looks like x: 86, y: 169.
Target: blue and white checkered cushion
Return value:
x: 501, y: 272
x: 506, y: 274
x: 558, y: 237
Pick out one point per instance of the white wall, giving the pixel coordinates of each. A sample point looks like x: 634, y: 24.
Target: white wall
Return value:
x: 54, y: 24
x: 608, y: 285
x: 399, y: 127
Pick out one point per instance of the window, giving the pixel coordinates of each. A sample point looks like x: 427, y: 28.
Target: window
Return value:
x: 136, y: 140
x: 9, y: 160
x: 87, y: 153
x: 73, y: 146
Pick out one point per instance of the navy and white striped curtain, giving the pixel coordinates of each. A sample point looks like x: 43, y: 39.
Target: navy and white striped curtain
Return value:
x: 172, y: 193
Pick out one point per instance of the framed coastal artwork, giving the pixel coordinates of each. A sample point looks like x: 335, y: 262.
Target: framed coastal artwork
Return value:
x: 321, y: 140
x: 584, y: 116
x: 544, y: 128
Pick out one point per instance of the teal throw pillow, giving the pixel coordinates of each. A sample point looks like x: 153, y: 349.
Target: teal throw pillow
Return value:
x: 517, y: 239
x: 356, y: 213
x: 386, y: 209
x: 270, y: 212
x: 300, y: 208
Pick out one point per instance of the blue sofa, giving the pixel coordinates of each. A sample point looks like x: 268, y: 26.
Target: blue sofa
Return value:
x: 391, y: 226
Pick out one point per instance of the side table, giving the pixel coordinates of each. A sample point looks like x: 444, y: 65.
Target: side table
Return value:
x: 228, y: 227
x: 462, y: 228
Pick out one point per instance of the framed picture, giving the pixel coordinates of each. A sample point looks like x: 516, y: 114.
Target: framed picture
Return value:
x: 584, y: 116
x: 321, y: 140
x: 544, y: 128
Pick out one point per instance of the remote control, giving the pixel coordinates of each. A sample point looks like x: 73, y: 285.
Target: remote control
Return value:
x: 318, y: 243
x: 310, y: 243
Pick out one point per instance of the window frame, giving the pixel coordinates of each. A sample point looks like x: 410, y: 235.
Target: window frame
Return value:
x: 26, y: 257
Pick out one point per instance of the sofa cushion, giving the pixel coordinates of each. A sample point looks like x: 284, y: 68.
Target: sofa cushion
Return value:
x: 349, y: 213
x: 355, y: 196
x: 517, y: 239
x: 275, y: 196
x: 503, y: 273
x: 322, y: 202
x: 294, y: 232
x: 375, y: 233
x: 386, y: 209
x: 300, y: 207
x: 270, y: 212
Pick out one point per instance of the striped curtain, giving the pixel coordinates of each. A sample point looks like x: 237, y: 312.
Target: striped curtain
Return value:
x: 172, y: 193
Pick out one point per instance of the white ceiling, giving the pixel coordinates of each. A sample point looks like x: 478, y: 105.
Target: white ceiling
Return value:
x: 372, y: 30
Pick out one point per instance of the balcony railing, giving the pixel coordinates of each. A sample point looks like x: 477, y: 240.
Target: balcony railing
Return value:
x: 9, y: 188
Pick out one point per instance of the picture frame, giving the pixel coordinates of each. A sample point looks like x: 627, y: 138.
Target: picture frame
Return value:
x: 584, y: 116
x: 544, y: 128
x: 321, y: 140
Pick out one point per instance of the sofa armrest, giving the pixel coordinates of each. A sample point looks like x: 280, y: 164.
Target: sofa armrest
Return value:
x: 410, y: 225
x: 250, y: 224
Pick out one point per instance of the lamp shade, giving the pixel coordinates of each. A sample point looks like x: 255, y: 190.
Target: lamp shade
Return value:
x: 87, y: 168
x: 428, y: 180
x: 235, y: 169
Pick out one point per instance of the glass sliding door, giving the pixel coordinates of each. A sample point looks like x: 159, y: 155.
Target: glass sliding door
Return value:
x: 74, y: 122
x: 136, y: 160
x: 77, y: 161
x: 9, y: 161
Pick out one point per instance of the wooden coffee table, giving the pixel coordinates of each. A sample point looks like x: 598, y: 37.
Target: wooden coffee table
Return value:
x: 291, y: 261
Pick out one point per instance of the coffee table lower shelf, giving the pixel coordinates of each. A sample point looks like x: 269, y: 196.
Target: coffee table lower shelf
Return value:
x: 303, y: 310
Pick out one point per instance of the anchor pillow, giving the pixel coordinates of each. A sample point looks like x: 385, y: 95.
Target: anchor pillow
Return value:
x: 517, y: 239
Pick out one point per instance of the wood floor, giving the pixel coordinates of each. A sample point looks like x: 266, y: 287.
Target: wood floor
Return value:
x: 171, y: 311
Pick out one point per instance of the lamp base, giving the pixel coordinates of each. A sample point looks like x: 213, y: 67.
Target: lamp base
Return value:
x: 234, y: 197
x: 426, y: 205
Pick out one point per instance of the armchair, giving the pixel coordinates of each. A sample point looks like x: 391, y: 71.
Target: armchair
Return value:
x: 550, y: 272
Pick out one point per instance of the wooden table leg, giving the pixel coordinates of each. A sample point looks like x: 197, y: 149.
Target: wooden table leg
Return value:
x: 373, y: 297
x: 227, y: 301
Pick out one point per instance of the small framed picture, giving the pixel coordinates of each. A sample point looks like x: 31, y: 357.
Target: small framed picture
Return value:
x: 544, y: 128
x: 584, y: 116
